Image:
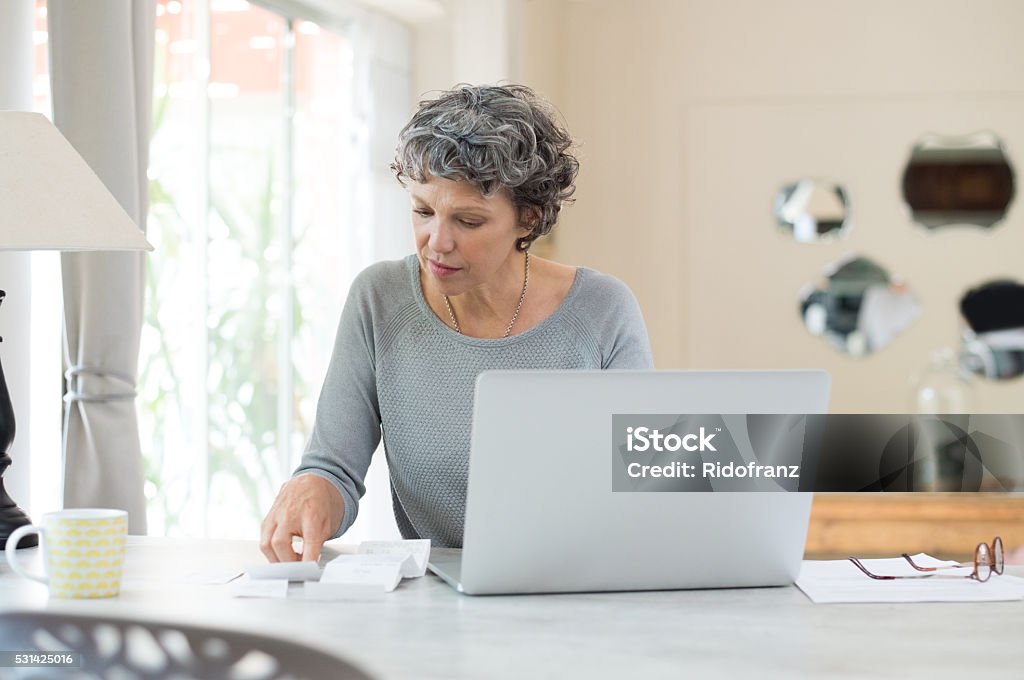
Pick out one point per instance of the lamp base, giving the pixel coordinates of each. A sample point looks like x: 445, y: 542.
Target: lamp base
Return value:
x: 10, y: 519
x: 11, y: 516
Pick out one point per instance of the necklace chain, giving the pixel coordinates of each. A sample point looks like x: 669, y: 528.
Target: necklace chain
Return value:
x: 515, y: 314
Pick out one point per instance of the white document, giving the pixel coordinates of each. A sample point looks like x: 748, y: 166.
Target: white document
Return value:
x: 331, y: 592
x: 290, y: 571
x: 415, y: 553
x: 244, y: 587
x: 384, y: 571
x: 835, y: 581
x: 215, y: 576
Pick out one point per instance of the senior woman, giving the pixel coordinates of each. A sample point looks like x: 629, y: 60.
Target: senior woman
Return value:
x: 487, y: 170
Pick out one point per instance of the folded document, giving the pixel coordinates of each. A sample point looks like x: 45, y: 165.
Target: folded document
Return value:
x: 376, y: 564
x: 837, y: 581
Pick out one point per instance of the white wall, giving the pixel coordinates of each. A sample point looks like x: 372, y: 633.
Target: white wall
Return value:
x: 471, y: 41
x: 692, y: 113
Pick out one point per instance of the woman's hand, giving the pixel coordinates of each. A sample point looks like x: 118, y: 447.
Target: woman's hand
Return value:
x: 307, y: 506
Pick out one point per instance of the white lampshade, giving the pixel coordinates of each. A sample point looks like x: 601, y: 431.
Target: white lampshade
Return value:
x: 50, y: 199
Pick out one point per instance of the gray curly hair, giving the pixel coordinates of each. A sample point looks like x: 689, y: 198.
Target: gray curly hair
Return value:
x: 495, y: 137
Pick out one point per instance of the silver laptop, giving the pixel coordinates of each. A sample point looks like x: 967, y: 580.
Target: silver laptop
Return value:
x: 541, y: 516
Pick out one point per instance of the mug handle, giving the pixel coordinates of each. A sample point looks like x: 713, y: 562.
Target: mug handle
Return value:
x: 12, y: 551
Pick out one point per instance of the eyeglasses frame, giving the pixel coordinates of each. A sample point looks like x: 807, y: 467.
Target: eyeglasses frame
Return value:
x: 996, y: 561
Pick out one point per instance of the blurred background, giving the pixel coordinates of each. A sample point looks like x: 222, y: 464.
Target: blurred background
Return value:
x: 790, y: 184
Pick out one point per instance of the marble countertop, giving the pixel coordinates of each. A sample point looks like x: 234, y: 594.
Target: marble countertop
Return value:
x: 424, y: 629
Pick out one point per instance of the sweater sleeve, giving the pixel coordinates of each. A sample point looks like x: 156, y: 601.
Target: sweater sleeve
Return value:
x: 630, y: 346
x: 617, y: 323
x: 347, y: 428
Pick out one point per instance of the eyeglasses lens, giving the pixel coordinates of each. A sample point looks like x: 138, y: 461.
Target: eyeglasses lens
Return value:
x: 997, y: 554
x: 983, y: 562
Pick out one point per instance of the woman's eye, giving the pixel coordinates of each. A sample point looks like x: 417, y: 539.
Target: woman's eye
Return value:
x: 422, y: 213
x: 471, y: 225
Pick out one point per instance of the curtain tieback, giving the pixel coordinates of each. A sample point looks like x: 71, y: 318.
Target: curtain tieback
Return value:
x: 80, y: 374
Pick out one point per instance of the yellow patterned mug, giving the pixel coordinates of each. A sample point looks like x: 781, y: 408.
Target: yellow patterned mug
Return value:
x: 83, y: 551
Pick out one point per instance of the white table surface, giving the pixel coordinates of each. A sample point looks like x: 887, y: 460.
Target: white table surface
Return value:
x: 424, y: 629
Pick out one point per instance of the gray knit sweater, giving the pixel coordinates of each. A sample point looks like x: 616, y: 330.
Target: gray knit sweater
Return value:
x: 398, y: 369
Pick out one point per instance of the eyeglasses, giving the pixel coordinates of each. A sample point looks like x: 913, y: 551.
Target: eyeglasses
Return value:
x: 987, y: 560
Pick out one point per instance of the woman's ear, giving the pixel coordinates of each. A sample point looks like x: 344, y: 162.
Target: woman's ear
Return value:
x: 529, y: 218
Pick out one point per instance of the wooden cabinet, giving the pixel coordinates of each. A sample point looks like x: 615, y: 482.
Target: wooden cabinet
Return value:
x: 946, y: 525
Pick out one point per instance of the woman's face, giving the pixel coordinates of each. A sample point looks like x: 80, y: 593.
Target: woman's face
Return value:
x: 463, y: 239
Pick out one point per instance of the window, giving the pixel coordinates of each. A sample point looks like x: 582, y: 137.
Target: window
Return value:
x: 261, y: 193
x: 45, y: 419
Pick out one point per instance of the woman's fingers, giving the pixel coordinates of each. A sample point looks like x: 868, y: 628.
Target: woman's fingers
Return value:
x: 281, y: 544
x: 313, y: 536
x: 266, y: 531
x: 308, y: 507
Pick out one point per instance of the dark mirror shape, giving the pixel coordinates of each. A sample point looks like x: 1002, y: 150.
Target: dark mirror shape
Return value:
x: 813, y: 210
x: 964, y: 180
x: 992, y: 344
x: 858, y: 308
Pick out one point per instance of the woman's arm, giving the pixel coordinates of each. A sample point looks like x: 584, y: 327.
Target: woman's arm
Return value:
x: 322, y: 499
x: 623, y: 340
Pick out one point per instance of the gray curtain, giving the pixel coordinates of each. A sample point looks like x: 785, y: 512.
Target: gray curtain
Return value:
x: 101, y: 72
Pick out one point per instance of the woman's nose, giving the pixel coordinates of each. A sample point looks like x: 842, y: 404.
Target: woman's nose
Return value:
x: 441, y: 240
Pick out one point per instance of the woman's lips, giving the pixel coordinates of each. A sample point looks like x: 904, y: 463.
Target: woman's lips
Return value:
x: 438, y: 269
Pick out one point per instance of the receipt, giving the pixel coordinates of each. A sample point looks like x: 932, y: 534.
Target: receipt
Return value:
x: 214, y: 576
x: 319, y: 590
x: 290, y: 571
x: 415, y: 554
x: 262, y: 588
x: 384, y: 571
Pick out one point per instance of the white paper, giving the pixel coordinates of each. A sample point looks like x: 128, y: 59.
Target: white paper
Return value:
x: 330, y: 592
x: 290, y: 571
x: 244, y: 587
x: 416, y: 552
x: 384, y: 571
x: 211, y: 576
x: 835, y: 581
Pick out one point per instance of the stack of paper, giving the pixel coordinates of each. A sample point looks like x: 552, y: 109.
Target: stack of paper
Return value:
x: 835, y: 581
x: 287, y: 571
x: 376, y: 567
x: 271, y: 579
x: 383, y: 563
